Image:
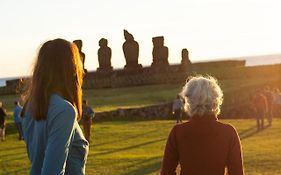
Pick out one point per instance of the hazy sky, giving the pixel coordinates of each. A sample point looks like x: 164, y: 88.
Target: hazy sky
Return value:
x: 209, y: 29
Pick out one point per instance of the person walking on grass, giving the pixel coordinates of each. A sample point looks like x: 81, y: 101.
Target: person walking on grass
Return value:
x: 17, y: 118
x: 203, y: 145
x: 87, y: 116
x: 260, y: 108
x: 177, y: 109
x: 276, y: 102
x: 3, y: 114
x: 53, y: 106
x: 269, y: 98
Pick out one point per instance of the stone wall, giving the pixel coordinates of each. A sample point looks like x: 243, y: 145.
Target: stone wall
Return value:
x: 164, y: 112
x: 159, y: 111
x: 12, y: 87
x: 144, y: 76
x: 149, y: 75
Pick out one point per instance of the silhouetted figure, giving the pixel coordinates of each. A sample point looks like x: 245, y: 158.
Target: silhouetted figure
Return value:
x: 276, y: 102
x: 160, y: 52
x: 131, y: 52
x: 185, y: 57
x: 79, y: 44
x: 3, y: 114
x: 104, y: 56
x: 177, y: 109
x: 87, y: 116
x: 259, y: 103
x: 269, y: 98
x: 17, y: 119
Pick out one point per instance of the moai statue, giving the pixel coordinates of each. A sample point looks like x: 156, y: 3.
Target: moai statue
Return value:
x: 104, y: 56
x: 79, y: 45
x: 160, y: 52
x: 185, y: 57
x: 185, y: 61
x: 131, y: 52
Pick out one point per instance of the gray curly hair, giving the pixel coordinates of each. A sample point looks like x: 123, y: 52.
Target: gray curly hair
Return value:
x: 203, y: 96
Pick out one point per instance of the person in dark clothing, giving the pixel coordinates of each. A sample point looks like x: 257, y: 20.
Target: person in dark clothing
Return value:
x: 260, y: 107
x: 87, y: 116
x: 203, y: 145
x: 177, y: 109
x: 17, y: 119
x: 2, y: 122
x: 269, y: 98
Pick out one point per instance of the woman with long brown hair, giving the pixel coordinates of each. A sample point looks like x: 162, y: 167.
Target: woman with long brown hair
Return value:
x: 53, y: 105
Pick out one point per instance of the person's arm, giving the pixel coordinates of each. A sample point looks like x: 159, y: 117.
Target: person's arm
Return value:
x: 92, y: 112
x: 265, y: 101
x: 60, y: 135
x: 235, y: 161
x: 174, y: 106
x: 171, y: 157
x: 4, y: 112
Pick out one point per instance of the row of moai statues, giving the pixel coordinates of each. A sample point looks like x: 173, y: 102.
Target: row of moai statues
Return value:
x: 160, y: 54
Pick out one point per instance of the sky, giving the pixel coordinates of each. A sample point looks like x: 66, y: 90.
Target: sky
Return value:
x: 209, y: 29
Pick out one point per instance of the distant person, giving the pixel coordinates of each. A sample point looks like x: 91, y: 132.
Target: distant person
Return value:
x: 17, y: 118
x: 79, y: 44
x: 3, y: 114
x: 177, y: 109
x: 260, y: 107
x: 87, y: 116
x: 277, y: 102
x: 203, y: 145
x: 269, y: 98
x: 53, y: 106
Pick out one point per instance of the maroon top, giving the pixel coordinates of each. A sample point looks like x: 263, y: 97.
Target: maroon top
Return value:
x: 203, y: 146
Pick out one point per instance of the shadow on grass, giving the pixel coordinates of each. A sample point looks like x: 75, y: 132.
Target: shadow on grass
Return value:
x: 148, y: 168
x: 250, y: 132
x: 11, y: 148
x: 120, y: 140
x: 18, y: 171
x: 11, y: 129
x: 129, y: 147
x: 12, y: 158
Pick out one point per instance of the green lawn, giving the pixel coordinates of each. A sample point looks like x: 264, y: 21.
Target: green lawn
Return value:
x: 136, y: 148
x: 236, y: 91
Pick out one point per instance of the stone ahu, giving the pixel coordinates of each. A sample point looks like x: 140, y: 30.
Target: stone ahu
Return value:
x: 131, y: 52
x: 160, y: 53
x: 104, y: 57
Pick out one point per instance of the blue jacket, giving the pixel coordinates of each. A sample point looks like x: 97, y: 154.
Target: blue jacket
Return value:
x: 17, y: 111
x: 55, y: 146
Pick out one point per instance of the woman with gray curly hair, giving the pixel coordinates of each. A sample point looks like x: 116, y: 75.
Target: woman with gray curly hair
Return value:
x: 203, y: 145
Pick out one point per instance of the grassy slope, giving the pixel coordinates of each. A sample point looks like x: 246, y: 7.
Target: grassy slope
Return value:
x: 235, y: 90
x: 136, y: 148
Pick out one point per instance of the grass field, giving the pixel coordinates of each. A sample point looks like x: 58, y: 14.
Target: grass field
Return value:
x: 235, y: 91
x: 136, y: 148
